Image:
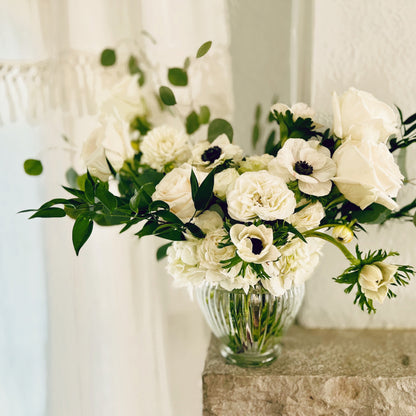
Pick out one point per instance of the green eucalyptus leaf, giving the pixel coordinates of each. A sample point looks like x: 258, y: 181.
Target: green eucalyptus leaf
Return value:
x: 177, y: 77
x: 167, y: 96
x: 108, y: 57
x: 203, y: 49
x: 204, y: 115
x: 33, y: 167
x: 81, y: 232
x: 133, y: 67
x: 192, y: 123
x: 220, y: 126
x: 71, y: 176
x: 187, y: 63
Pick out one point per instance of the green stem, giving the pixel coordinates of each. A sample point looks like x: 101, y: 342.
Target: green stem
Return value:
x: 336, y: 243
x: 336, y: 201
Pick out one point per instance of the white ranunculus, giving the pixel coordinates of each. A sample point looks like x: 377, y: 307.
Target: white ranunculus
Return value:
x: 301, y: 110
x: 175, y: 190
x: 308, y: 217
x: 260, y: 194
x: 254, y: 244
x: 207, y: 156
x: 183, y: 263
x: 163, y: 146
x: 109, y: 141
x: 367, y: 173
x: 125, y: 98
x: 375, y: 279
x: 210, y: 255
x: 223, y: 181
x: 255, y: 163
x: 307, y: 162
x: 208, y: 221
x: 360, y: 116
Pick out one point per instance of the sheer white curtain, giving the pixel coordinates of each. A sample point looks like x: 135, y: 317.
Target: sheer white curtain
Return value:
x: 119, y: 339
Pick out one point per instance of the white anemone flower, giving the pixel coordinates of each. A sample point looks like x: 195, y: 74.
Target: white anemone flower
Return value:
x: 307, y: 162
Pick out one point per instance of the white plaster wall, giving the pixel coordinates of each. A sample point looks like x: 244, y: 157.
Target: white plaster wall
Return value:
x: 370, y: 45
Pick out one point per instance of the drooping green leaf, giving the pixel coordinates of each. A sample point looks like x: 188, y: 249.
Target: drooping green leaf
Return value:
x: 162, y: 251
x: 81, y: 231
x: 177, y: 77
x: 219, y: 126
x: 33, y: 167
x: 49, y: 213
x: 203, y: 49
x: 192, y: 123
x: 204, y: 115
x: 167, y: 96
x: 108, y: 57
x: 106, y: 197
x: 56, y: 201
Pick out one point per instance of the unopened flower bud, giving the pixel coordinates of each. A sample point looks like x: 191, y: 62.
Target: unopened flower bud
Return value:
x: 343, y: 234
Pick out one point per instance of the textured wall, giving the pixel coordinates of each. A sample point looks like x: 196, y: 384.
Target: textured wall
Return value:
x: 370, y: 45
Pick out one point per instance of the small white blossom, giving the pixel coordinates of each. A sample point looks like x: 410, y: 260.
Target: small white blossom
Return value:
x: 308, y: 217
x: 298, y: 110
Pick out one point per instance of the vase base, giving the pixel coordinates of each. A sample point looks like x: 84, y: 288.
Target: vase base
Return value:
x: 250, y: 358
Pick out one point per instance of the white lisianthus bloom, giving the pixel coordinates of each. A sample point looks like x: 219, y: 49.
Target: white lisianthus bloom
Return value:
x: 307, y: 162
x: 175, y: 190
x: 260, y: 194
x: 208, y: 221
x: 125, y: 98
x: 367, y: 173
x: 254, y: 244
x: 223, y: 181
x: 358, y: 115
x: 375, y: 279
x: 308, y: 217
x: 299, y: 110
x: 209, y: 254
x: 206, y: 155
x: 109, y: 141
x: 164, y: 146
x: 255, y: 163
x: 183, y: 263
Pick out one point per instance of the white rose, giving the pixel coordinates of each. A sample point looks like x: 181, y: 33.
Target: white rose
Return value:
x: 223, y: 181
x: 208, y: 221
x: 254, y: 244
x: 299, y: 110
x: 183, y: 263
x: 307, y: 162
x: 375, y: 279
x: 175, y: 190
x: 260, y: 194
x: 125, y: 98
x: 210, y: 255
x: 255, y: 163
x: 163, y: 146
x: 367, y: 173
x: 308, y: 217
x: 109, y: 141
x: 360, y: 116
x: 206, y: 155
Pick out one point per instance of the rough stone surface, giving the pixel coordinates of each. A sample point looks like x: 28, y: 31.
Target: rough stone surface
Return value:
x: 320, y: 372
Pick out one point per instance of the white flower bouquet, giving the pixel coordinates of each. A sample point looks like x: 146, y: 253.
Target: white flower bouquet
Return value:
x: 237, y: 221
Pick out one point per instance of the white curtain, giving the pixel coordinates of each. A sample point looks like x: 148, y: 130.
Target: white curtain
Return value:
x: 108, y: 335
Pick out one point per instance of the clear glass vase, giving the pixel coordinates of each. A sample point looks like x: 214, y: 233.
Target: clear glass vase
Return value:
x: 249, y: 326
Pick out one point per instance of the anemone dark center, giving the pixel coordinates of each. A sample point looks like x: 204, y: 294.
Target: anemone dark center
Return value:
x: 211, y: 154
x: 303, y: 168
x: 257, y: 245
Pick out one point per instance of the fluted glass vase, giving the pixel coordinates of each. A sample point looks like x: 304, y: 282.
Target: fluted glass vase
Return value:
x: 249, y: 326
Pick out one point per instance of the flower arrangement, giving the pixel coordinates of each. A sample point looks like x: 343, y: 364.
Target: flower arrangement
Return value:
x: 242, y: 221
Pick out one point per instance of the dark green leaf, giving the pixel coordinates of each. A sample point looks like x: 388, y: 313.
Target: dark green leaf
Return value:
x: 81, y: 232
x: 270, y: 142
x: 219, y: 126
x: 167, y: 96
x: 108, y: 57
x: 147, y: 229
x: 33, y: 167
x: 132, y: 64
x: 173, y: 235
x: 410, y: 129
x: 195, y: 230
x: 110, y: 166
x: 257, y: 113
x: 255, y: 135
x: 194, y: 185
x: 106, y: 197
x: 162, y: 251
x: 89, y: 189
x: 155, y: 205
x: 76, y: 192
x: 49, y: 213
x: 177, y: 77
x: 410, y: 119
x: 204, y: 115
x: 203, y: 49
x: 373, y: 214
x: 192, y: 123
x: 150, y: 176
x: 204, y: 193
x: 169, y: 217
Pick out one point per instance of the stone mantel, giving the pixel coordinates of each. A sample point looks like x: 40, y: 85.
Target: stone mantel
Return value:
x: 320, y: 372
